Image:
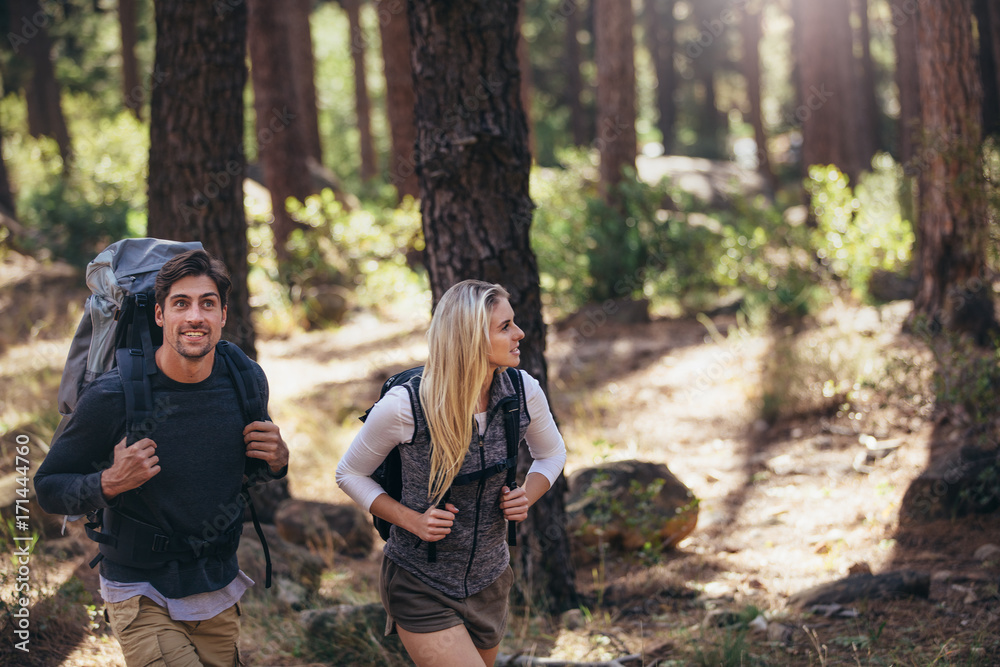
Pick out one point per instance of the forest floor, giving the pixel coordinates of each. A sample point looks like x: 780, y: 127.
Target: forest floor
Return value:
x: 784, y: 505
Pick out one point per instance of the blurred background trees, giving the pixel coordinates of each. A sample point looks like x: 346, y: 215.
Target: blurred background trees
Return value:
x: 672, y: 156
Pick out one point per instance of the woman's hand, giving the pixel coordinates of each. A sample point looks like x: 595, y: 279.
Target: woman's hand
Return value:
x: 434, y: 524
x: 514, y: 504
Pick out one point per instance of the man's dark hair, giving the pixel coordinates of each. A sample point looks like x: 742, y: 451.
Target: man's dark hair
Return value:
x: 193, y: 263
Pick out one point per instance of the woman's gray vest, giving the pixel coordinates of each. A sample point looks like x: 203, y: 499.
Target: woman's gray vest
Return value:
x: 475, y: 553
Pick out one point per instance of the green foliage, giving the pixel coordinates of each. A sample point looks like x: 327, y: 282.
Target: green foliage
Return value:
x: 858, y: 232
x: 77, y: 210
x: 338, y: 260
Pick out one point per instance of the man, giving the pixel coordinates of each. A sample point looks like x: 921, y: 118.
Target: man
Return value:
x: 171, y: 581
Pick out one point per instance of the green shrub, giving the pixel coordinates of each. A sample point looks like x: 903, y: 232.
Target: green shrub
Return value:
x: 100, y: 198
x: 337, y: 260
x: 862, y: 230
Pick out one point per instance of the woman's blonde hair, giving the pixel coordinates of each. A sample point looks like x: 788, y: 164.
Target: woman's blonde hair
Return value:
x: 456, y: 370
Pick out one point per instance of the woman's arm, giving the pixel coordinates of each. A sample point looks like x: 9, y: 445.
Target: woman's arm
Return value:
x: 389, y: 424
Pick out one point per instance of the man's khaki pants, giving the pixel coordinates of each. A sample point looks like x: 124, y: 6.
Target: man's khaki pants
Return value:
x: 150, y: 638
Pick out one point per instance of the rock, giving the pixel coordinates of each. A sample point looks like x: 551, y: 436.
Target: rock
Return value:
x: 987, y: 552
x: 758, y: 624
x: 886, y: 286
x: 350, y: 635
x: 291, y: 593
x: 288, y: 561
x: 266, y: 498
x: 864, y: 587
x: 344, y: 529
x: 779, y: 632
x: 624, y: 505
x: 954, y: 486
x: 720, y: 618
x: 573, y: 619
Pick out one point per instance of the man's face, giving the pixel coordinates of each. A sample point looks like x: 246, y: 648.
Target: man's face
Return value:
x: 192, y: 317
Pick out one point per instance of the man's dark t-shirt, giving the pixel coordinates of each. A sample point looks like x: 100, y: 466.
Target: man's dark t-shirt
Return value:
x: 198, y: 431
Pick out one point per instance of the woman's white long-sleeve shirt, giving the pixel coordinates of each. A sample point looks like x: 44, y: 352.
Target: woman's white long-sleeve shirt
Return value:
x: 391, y: 423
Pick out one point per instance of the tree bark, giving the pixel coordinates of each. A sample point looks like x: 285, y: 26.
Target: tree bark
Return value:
x: 473, y: 166
x: 527, y: 79
x: 395, y: 32
x: 131, y: 85
x: 7, y: 206
x: 196, y: 158
x: 574, y: 80
x: 954, y: 292
x: 707, y: 54
x: 751, y: 71
x: 616, y: 140
x: 30, y: 37
x: 362, y: 105
x: 827, y: 81
x: 988, y: 20
x: 281, y: 146
x: 660, y: 42
x: 869, y: 112
x: 907, y: 78
x: 304, y: 70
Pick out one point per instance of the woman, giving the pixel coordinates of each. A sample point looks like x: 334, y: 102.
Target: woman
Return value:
x: 451, y: 608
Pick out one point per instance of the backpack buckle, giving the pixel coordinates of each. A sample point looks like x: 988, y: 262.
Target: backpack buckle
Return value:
x: 160, y: 543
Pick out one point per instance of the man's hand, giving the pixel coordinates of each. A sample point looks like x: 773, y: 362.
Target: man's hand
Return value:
x: 264, y: 442
x: 131, y: 467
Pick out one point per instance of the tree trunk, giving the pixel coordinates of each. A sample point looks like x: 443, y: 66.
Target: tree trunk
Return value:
x: 907, y: 79
x: 616, y: 140
x: 281, y: 146
x: 196, y: 158
x: 574, y: 80
x: 304, y: 69
x: 395, y: 32
x: 132, y: 92
x: 707, y: 54
x: 473, y: 166
x: 527, y: 80
x: 751, y: 71
x: 954, y: 291
x: 362, y: 105
x: 988, y: 19
x: 829, y: 110
x: 7, y: 207
x: 660, y: 42
x: 42, y: 92
x: 869, y: 113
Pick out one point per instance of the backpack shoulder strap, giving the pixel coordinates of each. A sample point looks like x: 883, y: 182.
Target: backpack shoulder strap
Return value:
x: 512, y: 430
x: 244, y: 377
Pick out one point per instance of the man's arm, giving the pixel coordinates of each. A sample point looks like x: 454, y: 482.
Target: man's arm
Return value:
x: 69, y: 479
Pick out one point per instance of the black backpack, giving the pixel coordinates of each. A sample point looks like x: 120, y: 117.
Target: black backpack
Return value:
x: 118, y: 328
x: 389, y: 473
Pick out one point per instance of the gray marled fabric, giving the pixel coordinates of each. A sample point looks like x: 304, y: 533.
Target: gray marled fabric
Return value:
x: 475, y: 553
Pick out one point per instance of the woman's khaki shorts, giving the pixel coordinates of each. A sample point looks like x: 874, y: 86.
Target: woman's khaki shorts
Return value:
x: 419, y: 608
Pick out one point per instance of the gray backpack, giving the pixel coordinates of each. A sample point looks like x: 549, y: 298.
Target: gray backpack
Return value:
x: 121, y: 280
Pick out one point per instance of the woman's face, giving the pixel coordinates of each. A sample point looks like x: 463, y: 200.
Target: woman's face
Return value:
x: 504, y: 337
